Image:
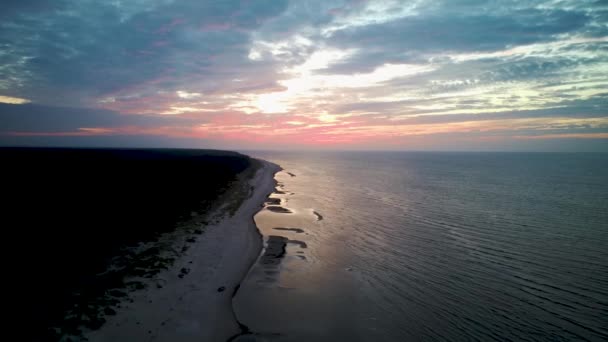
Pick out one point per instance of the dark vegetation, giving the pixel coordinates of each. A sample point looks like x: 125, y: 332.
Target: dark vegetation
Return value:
x: 67, y: 212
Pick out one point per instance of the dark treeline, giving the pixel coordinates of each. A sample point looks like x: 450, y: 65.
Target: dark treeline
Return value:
x: 66, y: 212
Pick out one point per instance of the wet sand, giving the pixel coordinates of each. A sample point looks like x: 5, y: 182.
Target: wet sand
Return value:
x: 192, y: 301
x: 286, y: 228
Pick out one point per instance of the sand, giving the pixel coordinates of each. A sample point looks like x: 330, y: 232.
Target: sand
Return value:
x: 195, y: 300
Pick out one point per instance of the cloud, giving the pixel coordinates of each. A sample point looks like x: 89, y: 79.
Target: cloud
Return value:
x: 13, y: 100
x: 9, y: 8
x: 33, y: 118
x: 303, y: 72
x: 413, y: 38
x: 94, y: 48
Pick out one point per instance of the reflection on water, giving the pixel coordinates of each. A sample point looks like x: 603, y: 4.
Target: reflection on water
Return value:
x: 411, y: 246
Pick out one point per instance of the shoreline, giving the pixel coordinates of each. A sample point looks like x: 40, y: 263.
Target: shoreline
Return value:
x: 194, y: 302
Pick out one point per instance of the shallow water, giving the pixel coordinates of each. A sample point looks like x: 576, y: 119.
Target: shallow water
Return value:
x: 432, y: 246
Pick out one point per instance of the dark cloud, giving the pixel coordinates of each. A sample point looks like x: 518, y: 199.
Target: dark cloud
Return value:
x: 531, y: 68
x: 312, y: 14
x: 87, y: 51
x: 11, y: 8
x: 78, y: 51
x: 110, y: 141
x: 593, y: 107
x: 409, y: 39
x: 371, y: 57
x: 32, y: 118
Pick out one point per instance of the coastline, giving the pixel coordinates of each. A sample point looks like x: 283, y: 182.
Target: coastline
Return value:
x: 192, y: 300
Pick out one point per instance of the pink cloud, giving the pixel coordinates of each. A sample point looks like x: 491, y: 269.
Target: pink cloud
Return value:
x: 210, y: 27
x: 170, y: 26
x: 160, y: 43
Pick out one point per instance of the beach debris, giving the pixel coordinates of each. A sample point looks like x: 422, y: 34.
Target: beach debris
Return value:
x: 291, y: 174
x: 183, y: 272
x: 319, y: 216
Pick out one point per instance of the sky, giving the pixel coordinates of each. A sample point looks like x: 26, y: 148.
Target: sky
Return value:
x: 305, y: 74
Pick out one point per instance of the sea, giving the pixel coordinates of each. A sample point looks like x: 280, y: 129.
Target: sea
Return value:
x: 425, y: 246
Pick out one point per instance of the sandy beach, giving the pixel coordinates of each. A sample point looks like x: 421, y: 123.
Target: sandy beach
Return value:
x: 192, y: 300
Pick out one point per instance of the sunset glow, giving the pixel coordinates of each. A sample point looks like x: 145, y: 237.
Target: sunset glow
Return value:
x: 12, y: 100
x: 314, y: 74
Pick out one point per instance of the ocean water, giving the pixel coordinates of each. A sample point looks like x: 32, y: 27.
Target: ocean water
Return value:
x: 389, y: 246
